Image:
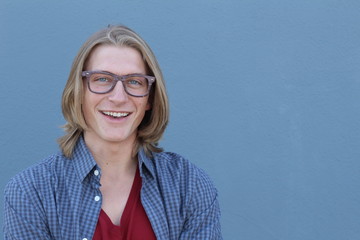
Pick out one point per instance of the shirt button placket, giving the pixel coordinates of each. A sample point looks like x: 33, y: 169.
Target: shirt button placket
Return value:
x: 96, y: 173
x: 97, y: 198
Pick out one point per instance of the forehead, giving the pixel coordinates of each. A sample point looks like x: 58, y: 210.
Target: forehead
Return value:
x: 115, y: 59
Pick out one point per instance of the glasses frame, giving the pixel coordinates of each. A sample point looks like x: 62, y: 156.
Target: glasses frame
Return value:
x: 117, y: 78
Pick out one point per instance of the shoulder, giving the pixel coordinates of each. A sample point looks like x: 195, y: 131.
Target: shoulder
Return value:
x: 174, y: 162
x: 186, y: 175
x: 30, y: 200
x: 36, y: 177
x: 187, y: 190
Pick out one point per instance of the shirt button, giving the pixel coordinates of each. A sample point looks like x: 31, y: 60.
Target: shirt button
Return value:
x: 97, y: 198
x: 96, y: 172
x: 84, y: 239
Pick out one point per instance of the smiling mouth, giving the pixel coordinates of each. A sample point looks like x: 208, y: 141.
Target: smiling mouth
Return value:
x: 116, y: 114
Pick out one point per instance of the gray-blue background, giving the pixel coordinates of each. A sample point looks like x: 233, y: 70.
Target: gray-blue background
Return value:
x: 264, y: 96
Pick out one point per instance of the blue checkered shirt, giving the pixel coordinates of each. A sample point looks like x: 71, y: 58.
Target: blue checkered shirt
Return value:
x: 60, y: 198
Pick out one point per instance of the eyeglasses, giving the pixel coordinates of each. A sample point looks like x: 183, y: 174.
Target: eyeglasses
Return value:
x: 136, y: 85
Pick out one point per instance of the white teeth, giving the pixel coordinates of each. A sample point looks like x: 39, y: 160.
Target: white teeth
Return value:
x: 116, y: 114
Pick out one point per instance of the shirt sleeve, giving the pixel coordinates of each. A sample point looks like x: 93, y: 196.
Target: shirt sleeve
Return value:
x: 203, y: 221
x: 23, y: 217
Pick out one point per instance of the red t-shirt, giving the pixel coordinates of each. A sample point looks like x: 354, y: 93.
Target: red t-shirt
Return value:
x: 134, y: 223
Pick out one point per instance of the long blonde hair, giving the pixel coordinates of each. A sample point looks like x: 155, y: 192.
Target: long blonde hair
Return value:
x: 155, y: 120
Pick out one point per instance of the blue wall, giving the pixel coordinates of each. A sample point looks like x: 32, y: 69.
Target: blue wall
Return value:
x: 265, y: 96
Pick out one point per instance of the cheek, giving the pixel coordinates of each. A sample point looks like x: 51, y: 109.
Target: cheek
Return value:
x: 148, y: 106
x: 88, y: 105
x: 85, y: 103
x: 85, y: 110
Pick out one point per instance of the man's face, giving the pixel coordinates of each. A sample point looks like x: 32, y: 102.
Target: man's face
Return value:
x: 114, y: 116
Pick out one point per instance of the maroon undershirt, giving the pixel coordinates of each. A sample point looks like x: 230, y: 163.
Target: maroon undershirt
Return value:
x: 134, y: 223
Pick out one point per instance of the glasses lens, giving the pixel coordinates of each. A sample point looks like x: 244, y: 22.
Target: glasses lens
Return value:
x: 136, y: 85
x: 101, y: 82
x: 133, y: 85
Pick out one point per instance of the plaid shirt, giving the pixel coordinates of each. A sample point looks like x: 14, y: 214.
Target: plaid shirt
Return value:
x: 60, y: 198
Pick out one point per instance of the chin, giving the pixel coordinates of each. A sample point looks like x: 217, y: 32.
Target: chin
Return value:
x: 120, y: 137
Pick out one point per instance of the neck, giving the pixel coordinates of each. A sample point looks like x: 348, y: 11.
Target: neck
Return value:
x: 113, y: 158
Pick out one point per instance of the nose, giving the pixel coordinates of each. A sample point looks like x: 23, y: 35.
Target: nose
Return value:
x: 118, y: 94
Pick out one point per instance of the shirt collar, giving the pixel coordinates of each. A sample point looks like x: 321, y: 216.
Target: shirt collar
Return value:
x: 146, y: 161
x: 83, y: 160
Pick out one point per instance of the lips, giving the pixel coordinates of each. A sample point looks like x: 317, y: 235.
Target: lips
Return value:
x: 115, y: 114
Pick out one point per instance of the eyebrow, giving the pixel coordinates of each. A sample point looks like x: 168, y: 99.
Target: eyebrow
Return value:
x: 129, y: 74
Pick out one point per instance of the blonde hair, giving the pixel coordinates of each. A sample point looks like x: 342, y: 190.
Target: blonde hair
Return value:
x: 155, y: 120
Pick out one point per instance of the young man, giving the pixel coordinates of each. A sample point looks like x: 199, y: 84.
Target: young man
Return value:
x: 111, y: 180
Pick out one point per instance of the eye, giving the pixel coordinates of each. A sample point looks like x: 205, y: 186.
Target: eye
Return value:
x: 101, y: 79
x: 134, y: 82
